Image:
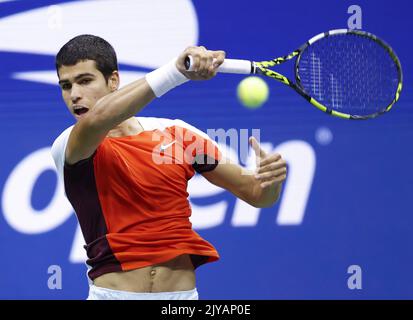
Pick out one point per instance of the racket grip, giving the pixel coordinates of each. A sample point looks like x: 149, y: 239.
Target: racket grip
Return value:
x: 228, y: 66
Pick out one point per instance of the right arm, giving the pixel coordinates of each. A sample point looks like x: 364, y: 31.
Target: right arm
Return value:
x: 108, y: 112
x: 123, y: 104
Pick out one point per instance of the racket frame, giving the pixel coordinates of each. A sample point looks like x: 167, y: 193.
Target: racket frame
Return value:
x: 261, y: 68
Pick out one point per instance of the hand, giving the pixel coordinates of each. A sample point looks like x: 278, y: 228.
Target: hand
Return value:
x: 205, y: 63
x: 271, y: 169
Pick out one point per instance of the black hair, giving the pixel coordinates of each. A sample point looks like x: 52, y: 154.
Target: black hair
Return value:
x: 88, y: 47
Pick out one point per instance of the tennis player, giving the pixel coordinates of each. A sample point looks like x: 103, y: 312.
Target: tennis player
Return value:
x: 133, y: 209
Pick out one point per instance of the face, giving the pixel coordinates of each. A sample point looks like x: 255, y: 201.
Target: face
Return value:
x: 83, y: 85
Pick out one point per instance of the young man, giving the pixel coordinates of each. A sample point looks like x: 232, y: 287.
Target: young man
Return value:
x: 132, y: 208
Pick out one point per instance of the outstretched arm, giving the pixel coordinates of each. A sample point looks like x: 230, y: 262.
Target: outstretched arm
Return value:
x: 260, y: 188
x: 120, y: 105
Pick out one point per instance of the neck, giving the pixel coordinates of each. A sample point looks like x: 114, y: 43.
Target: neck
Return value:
x: 128, y: 127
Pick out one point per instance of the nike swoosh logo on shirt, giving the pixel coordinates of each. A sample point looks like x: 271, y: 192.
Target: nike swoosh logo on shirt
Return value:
x: 166, y: 146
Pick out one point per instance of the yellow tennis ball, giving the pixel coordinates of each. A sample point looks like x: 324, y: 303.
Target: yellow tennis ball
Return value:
x: 253, y: 92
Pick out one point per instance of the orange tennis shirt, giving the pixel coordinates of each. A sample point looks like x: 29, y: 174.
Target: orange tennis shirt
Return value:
x: 131, y: 198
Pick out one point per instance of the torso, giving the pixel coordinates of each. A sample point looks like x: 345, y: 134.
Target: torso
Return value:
x: 174, y: 275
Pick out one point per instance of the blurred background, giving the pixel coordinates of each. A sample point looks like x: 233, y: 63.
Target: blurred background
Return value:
x: 343, y: 226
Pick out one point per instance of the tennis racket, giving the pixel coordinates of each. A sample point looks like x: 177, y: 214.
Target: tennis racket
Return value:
x: 350, y: 74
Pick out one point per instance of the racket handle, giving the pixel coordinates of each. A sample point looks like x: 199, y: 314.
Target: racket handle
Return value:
x: 228, y: 66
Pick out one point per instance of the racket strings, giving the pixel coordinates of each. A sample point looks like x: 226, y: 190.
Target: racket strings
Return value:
x: 349, y: 73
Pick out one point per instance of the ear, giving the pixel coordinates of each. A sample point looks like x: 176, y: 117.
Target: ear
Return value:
x: 114, y: 81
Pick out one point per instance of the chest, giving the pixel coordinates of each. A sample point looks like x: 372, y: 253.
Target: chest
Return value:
x: 146, y: 158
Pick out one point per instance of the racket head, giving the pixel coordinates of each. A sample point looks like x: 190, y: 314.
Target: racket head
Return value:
x: 350, y: 74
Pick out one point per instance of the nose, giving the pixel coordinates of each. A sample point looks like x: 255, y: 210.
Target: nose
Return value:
x: 75, y: 93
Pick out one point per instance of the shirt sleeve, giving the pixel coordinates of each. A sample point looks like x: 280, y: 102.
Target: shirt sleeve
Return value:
x: 58, y: 151
x: 203, y: 152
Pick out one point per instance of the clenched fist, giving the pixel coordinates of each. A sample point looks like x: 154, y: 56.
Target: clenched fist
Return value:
x: 205, y: 63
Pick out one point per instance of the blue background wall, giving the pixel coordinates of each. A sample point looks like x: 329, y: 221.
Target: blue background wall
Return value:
x: 358, y: 210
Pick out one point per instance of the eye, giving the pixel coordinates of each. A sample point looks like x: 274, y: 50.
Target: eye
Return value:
x: 66, y: 86
x: 85, y: 81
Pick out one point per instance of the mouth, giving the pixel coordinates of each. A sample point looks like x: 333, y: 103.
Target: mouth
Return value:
x: 79, y: 109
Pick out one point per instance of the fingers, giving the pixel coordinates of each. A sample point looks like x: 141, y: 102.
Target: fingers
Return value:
x: 271, y: 160
x: 271, y: 169
x: 204, y: 62
x: 272, y: 177
x: 259, y: 153
x: 277, y: 167
x: 278, y: 180
x: 208, y: 68
x: 219, y: 57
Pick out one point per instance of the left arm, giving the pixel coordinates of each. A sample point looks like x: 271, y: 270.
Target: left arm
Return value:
x: 260, y: 188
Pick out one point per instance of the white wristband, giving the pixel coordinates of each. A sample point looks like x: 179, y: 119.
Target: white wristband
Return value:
x: 165, y: 78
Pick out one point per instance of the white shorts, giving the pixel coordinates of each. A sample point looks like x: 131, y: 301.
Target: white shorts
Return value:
x: 99, y: 293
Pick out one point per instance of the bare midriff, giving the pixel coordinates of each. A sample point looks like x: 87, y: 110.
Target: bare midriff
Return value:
x: 174, y: 275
